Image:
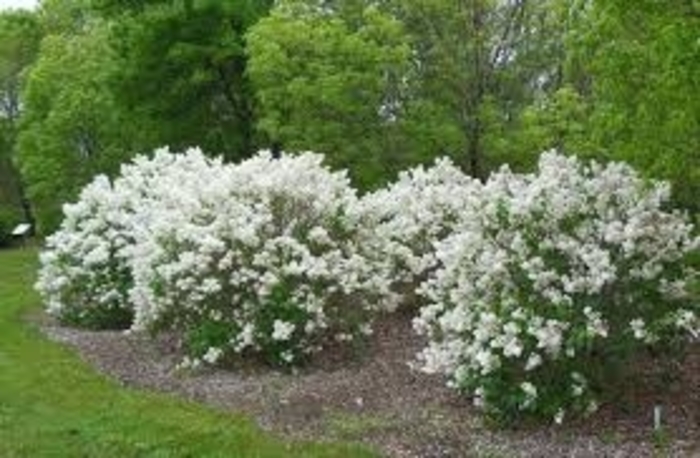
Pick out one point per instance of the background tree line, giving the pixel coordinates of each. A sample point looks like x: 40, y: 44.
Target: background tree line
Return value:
x: 375, y: 85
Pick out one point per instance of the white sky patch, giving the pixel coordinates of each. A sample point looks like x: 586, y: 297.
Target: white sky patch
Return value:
x: 25, y: 4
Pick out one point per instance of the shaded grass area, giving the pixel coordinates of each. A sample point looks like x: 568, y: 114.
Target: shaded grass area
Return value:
x: 54, y: 405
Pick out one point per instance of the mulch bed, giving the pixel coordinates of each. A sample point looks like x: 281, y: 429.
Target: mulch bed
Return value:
x: 377, y: 399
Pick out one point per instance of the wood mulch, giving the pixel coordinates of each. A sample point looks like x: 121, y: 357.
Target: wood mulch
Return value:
x: 377, y: 399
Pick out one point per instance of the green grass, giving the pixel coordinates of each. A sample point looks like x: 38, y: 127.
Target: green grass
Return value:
x: 53, y: 405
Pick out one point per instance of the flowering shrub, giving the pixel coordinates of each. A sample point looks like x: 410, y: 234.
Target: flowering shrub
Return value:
x: 535, y: 285
x: 85, y: 276
x: 263, y: 259
x: 404, y: 221
x: 261, y: 256
x: 551, y: 279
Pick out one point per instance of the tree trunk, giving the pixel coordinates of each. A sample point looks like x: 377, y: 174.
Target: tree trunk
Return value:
x: 19, y: 191
x: 26, y: 204
x: 476, y: 97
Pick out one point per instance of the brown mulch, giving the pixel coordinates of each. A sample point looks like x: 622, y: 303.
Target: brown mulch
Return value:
x: 377, y: 399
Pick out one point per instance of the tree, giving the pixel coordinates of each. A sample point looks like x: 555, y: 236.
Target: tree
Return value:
x: 331, y: 83
x: 71, y: 127
x: 484, y: 62
x: 454, y: 75
x: 644, y: 60
x: 118, y: 77
x: 19, y: 42
x: 182, y: 69
x: 65, y: 17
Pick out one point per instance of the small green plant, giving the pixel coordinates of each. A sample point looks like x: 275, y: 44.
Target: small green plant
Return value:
x: 661, y: 438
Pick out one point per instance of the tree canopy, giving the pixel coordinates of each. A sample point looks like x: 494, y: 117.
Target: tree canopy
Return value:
x: 376, y: 86
x: 19, y: 42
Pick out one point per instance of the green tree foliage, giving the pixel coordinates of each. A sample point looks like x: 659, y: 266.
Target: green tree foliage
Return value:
x: 19, y: 42
x: 630, y: 90
x: 554, y: 121
x: 71, y: 127
x: 115, y: 78
x: 65, y: 17
x: 332, y: 83
x: 644, y: 60
x: 378, y: 86
x: 182, y: 71
x: 462, y: 51
x: 454, y: 77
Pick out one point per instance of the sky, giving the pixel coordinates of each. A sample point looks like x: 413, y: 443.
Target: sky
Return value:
x: 18, y: 4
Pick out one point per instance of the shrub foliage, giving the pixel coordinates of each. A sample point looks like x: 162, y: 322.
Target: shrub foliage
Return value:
x: 535, y: 291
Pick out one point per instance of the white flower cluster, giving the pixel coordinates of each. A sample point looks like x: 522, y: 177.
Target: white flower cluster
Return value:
x: 267, y: 254
x: 86, y: 274
x: 546, y: 268
x: 259, y: 256
x: 405, y: 220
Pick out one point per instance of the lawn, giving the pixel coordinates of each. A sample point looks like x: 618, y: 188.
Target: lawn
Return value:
x: 52, y: 404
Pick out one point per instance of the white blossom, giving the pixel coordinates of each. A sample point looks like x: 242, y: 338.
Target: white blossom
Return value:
x: 530, y: 391
x: 559, y: 417
x: 282, y: 330
x: 212, y: 355
x: 638, y: 330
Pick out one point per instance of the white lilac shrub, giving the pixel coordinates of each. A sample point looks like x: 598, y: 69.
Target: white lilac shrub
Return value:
x: 553, y: 278
x: 404, y: 221
x: 85, y: 276
x: 264, y: 259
